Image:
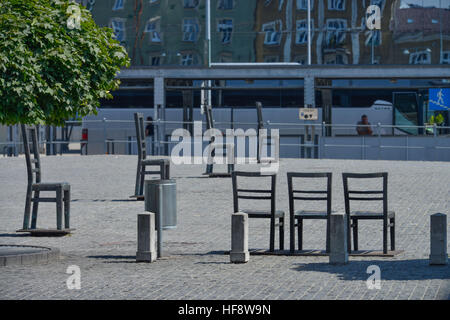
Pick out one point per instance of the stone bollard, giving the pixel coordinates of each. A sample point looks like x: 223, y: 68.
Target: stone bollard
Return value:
x: 146, y: 251
x: 239, y: 238
x: 338, y: 238
x: 438, y: 245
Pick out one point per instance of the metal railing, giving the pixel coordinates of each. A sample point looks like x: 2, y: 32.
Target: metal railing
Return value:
x: 317, y: 147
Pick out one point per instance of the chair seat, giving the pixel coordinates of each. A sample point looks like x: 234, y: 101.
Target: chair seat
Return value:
x: 370, y: 215
x: 263, y: 213
x: 154, y: 162
x: 50, y: 186
x: 310, y: 214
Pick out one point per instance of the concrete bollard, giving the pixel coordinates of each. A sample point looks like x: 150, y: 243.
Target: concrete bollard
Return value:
x: 146, y: 238
x: 239, y: 238
x: 338, y: 238
x: 438, y: 245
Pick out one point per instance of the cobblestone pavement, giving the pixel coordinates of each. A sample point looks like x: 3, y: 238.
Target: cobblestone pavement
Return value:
x: 195, y: 266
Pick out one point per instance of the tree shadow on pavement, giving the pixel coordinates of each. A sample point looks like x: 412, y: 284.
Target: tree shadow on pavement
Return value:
x: 417, y: 269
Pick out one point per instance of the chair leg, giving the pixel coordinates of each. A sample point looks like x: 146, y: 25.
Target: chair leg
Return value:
x: 141, y: 183
x: 355, y: 234
x: 349, y: 235
x: 328, y: 236
x: 272, y: 234
x: 138, y: 179
x: 168, y: 171
x: 300, y: 233
x: 67, y: 209
x: 281, y: 231
x: 26, y: 214
x: 59, y: 208
x: 35, y: 210
x: 385, y: 231
x: 292, y: 233
x: 392, y: 233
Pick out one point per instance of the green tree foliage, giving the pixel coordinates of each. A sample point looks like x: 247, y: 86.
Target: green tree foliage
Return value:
x: 55, y: 62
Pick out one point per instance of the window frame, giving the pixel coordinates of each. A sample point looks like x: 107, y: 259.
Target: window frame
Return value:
x: 275, y: 32
x: 332, y: 5
x: 224, y: 31
x: 303, y: 30
x: 122, y: 29
x: 195, y: 32
x: 331, y: 31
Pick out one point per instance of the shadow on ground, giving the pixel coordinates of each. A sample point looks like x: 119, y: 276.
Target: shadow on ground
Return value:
x: 13, y: 235
x: 390, y: 270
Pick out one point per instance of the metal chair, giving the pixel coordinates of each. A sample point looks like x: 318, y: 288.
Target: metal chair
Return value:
x: 300, y: 215
x: 260, y: 194
x: 388, y: 217
x: 143, y: 163
x: 35, y: 185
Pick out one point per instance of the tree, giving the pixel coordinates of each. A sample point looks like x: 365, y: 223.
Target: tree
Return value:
x: 55, y: 62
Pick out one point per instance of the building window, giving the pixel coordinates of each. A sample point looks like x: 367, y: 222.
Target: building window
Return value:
x: 225, y: 4
x: 272, y: 59
x: 153, y: 28
x: 118, y: 26
x: 336, y: 5
x: 189, y: 59
x: 421, y: 57
x: 190, y: 30
x: 445, y: 59
x: 155, y: 60
x: 301, y: 36
x: 303, y: 4
x: 273, y: 32
x: 337, y: 58
x: 225, y: 26
x: 301, y: 60
x: 118, y: 5
x: 190, y: 4
x: 376, y: 37
x: 336, y: 29
x: 380, y: 3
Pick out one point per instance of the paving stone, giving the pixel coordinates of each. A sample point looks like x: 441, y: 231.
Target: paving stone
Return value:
x: 195, y: 267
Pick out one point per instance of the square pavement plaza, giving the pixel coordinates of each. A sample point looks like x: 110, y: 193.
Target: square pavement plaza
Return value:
x: 195, y: 265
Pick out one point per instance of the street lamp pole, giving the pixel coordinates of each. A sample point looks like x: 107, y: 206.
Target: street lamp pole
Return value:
x: 208, y: 31
x: 309, y: 32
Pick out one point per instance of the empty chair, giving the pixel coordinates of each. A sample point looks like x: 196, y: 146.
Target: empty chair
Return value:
x: 388, y: 217
x: 260, y: 194
x: 308, y: 195
x: 143, y: 163
x: 35, y: 186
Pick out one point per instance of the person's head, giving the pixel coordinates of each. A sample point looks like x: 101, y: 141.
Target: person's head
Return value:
x: 364, y: 119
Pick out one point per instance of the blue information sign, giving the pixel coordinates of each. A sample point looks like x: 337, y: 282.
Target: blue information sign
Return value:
x: 439, y: 99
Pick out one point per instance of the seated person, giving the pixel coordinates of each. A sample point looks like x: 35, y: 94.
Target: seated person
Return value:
x: 363, y: 127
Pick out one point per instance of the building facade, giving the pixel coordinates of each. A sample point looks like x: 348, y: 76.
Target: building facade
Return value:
x: 172, y: 32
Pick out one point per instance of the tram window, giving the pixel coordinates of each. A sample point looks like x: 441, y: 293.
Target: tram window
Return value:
x: 174, y: 98
x: 129, y: 99
x: 359, y: 98
x: 406, y: 111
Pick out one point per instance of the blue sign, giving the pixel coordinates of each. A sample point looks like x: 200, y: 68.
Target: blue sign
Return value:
x: 439, y: 99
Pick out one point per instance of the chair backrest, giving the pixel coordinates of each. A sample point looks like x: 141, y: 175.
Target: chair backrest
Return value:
x: 33, y: 163
x: 309, y: 195
x: 140, y: 135
x: 365, y: 195
x: 254, y: 194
